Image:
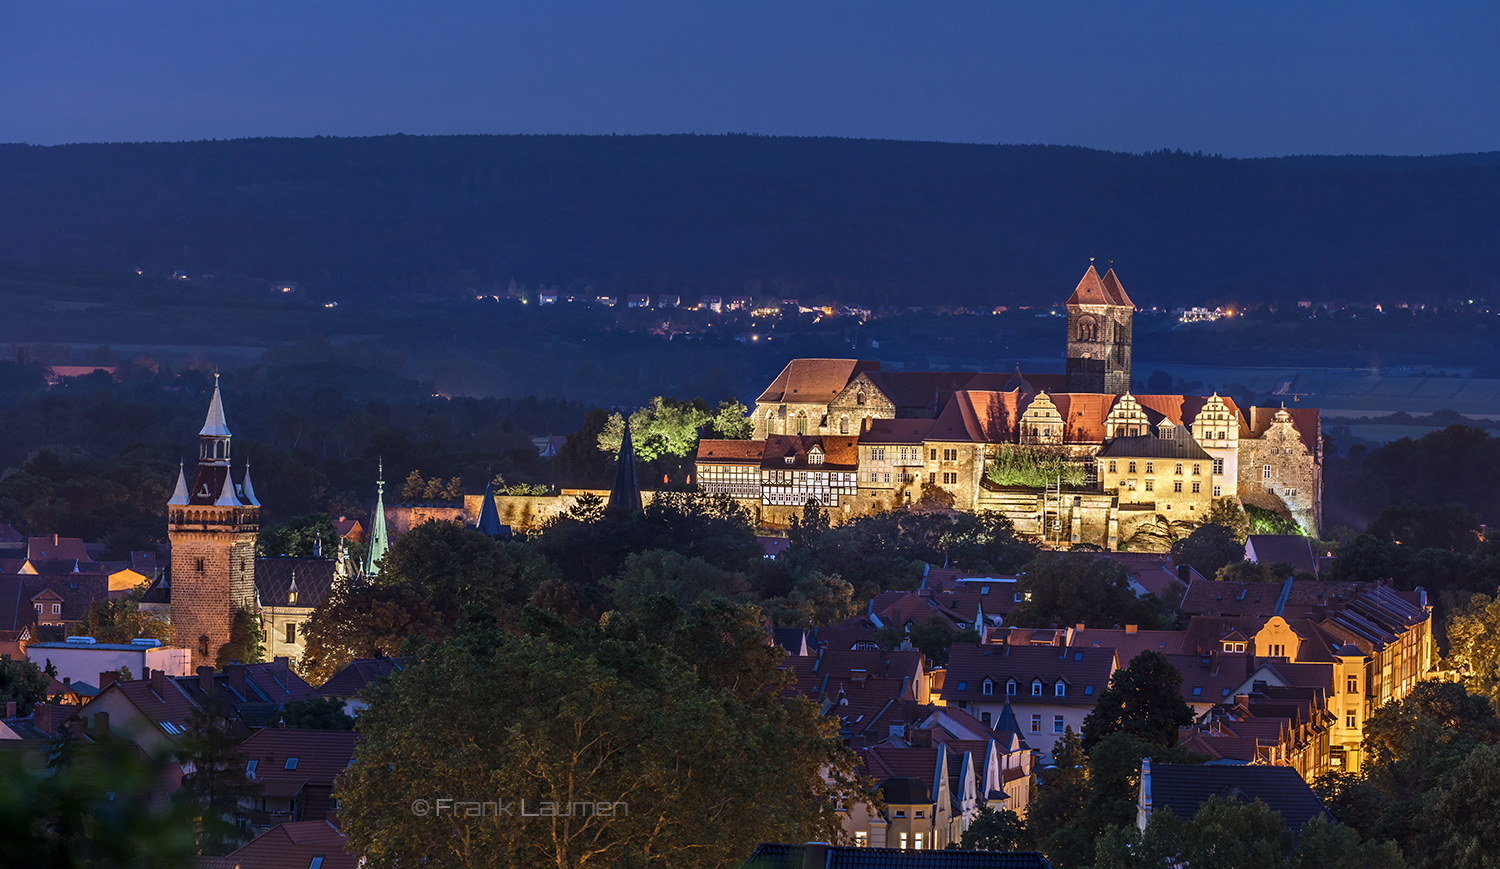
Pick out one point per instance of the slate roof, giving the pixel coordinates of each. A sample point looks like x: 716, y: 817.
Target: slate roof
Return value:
x: 1081, y: 669
x: 897, y: 431
x: 1306, y: 420
x: 289, y: 846
x: 1130, y: 644
x: 1185, y: 787
x: 730, y: 452
x: 774, y: 856
x: 924, y: 391
x: 1179, y: 446
x: 16, y: 611
x: 358, y: 673
x: 814, y: 381
x: 1293, y: 549
x: 273, y: 580
x: 77, y: 590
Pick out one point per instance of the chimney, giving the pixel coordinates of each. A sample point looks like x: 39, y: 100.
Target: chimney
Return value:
x: 1078, y: 627
x: 921, y: 737
x: 815, y: 855
x: 67, y: 680
x: 10, y: 709
x: 206, y: 680
x: 1185, y: 574
x: 159, y: 683
x: 41, y: 718
x: 1130, y: 629
x: 107, y: 679
x: 1242, y: 700
x: 101, y: 722
x: 235, y: 674
x: 281, y: 663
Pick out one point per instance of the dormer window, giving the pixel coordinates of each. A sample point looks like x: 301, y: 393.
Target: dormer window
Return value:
x: 1164, y: 431
x: 1010, y: 688
x: 1234, y: 648
x: 815, y: 456
x: 1036, y: 688
x: 791, y: 459
x: 988, y: 689
x: 1060, y: 689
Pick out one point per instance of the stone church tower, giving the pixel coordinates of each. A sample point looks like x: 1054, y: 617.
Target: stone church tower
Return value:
x: 212, y: 524
x: 1099, y: 323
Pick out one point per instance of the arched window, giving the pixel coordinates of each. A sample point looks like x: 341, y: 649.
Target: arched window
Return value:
x: 203, y: 646
x: 1088, y: 329
x: 801, y: 422
x: 859, y: 399
x: 843, y: 425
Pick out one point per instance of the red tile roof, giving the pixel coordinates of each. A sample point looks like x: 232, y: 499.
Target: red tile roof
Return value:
x: 969, y: 664
x: 321, y: 754
x: 1090, y: 291
x: 290, y: 846
x: 814, y: 380
x: 1115, y: 291
x: 357, y: 674
x: 730, y: 452
x: 840, y: 452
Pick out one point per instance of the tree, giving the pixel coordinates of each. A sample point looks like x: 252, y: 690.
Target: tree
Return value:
x: 22, y: 683
x: 656, y: 572
x: 1251, y: 571
x: 1069, y: 588
x: 1061, y: 794
x: 1335, y: 846
x: 665, y: 427
x: 415, y: 489
x: 1209, y: 548
x: 317, y: 713
x: 1144, y: 700
x: 298, y: 536
x: 246, y: 640
x: 1228, y: 513
x: 1459, y: 829
x: 361, y: 620
x: 217, y: 782
x: 1412, y: 743
x: 121, y: 620
x: 732, y: 421
x: 935, y: 639
x: 1428, y: 526
x: 1474, y: 646
x: 815, y: 601
x: 994, y: 831
x: 1114, y: 775
x: 63, y: 819
x: 1352, y: 801
x: 618, y: 716
x: 454, y: 567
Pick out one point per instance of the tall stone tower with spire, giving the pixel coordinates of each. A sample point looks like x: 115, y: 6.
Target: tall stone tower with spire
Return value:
x: 212, y: 524
x: 1099, y: 326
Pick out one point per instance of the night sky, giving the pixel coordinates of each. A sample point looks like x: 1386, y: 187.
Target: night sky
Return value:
x: 1239, y: 79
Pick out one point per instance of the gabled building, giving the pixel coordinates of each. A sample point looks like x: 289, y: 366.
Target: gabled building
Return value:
x: 299, y: 845
x: 797, y: 469
x: 296, y: 770
x: 1048, y: 688
x: 1184, y: 788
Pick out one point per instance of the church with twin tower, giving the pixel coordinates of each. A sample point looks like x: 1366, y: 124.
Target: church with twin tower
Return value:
x: 212, y: 523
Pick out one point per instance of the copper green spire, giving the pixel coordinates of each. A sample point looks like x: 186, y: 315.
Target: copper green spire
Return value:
x: 378, y: 539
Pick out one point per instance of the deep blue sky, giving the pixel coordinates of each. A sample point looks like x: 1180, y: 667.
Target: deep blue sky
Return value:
x: 1241, y: 79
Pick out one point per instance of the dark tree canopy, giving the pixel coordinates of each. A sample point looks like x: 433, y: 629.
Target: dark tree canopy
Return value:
x: 1144, y: 700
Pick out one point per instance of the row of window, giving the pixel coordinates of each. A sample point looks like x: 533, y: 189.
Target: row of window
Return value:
x: 1129, y: 486
x: 1114, y: 467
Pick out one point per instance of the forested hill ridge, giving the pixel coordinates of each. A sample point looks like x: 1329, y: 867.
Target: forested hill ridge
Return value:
x: 855, y: 221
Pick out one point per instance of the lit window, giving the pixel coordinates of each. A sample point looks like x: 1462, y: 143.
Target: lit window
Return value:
x: 902, y: 846
x: 1036, y: 724
x: 1036, y: 689
x: 861, y: 839
x: 917, y: 838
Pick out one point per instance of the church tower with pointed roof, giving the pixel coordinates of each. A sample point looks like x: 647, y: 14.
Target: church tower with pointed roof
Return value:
x: 212, y: 523
x: 1099, y: 327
